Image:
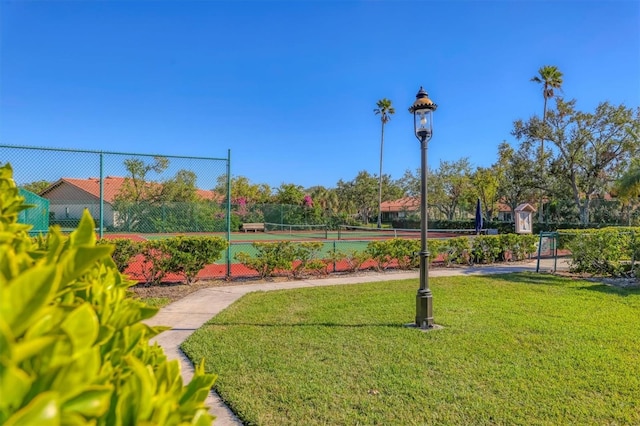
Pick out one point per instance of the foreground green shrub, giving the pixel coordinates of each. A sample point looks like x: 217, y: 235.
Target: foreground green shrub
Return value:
x: 73, y: 348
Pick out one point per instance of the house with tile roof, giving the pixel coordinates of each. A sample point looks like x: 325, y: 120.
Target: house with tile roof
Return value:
x: 399, y: 209
x: 407, y: 206
x: 69, y: 197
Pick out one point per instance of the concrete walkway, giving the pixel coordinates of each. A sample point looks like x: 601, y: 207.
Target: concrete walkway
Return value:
x: 188, y: 314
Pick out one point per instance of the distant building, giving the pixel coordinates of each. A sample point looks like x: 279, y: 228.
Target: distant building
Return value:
x: 400, y: 209
x: 504, y: 213
x: 404, y: 207
x: 69, y: 197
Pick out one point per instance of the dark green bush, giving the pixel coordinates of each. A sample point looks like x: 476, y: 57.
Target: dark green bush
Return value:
x: 156, y: 261
x: 306, y: 260
x: 486, y: 248
x: 185, y: 256
x: 189, y: 255
x: 609, y: 251
x: 123, y: 252
x: 456, y: 251
x: 269, y: 258
x: 353, y: 258
x: 517, y: 247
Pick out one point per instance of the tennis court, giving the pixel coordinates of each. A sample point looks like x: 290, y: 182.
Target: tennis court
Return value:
x: 279, y: 232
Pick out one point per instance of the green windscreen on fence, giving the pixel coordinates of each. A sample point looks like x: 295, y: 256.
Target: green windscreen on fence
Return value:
x: 38, y: 215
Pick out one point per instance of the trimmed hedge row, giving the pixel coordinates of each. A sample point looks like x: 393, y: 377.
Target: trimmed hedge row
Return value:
x: 299, y: 259
x: 502, y: 227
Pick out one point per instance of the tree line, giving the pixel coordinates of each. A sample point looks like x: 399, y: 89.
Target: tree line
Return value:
x: 567, y: 161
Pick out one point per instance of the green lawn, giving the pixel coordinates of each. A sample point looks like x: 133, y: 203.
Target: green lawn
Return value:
x: 515, y: 349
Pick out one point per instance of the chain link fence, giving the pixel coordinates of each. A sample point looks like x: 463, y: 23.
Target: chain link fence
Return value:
x: 124, y: 192
x: 131, y: 195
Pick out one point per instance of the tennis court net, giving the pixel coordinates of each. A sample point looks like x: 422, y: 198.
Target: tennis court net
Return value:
x: 346, y: 232
x: 302, y: 231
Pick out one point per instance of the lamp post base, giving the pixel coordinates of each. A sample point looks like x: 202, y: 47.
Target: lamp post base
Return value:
x: 424, y: 309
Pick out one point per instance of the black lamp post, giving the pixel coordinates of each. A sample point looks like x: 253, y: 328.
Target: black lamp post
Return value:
x: 422, y: 110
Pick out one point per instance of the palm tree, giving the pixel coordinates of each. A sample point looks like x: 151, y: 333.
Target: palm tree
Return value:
x: 551, y: 78
x: 385, y: 111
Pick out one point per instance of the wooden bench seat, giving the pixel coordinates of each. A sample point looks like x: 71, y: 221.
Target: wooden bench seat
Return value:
x: 255, y: 227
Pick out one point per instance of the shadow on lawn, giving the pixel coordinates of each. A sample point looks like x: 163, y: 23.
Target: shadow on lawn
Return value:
x: 530, y: 278
x: 308, y: 324
x: 604, y: 285
x: 612, y: 289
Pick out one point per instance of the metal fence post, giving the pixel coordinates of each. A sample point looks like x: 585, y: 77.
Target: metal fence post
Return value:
x: 101, y: 220
x: 229, y: 213
x: 334, y: 255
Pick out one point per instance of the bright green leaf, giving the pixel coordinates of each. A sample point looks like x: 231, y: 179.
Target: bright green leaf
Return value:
x: 31, y: 347
x: 82, y: 327
x: 43, y: 410
x: 14, y: 385
x: 26, y: 295
x: 92, y: 402
x: 85, y: 233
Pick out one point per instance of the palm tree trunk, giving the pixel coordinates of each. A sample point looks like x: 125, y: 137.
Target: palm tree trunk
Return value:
x: 380, y: 180
x: 541, y: 160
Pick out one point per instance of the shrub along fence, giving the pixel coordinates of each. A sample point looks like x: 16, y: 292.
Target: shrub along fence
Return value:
x: 612, y: 251
x: 608, y: 252
x: 188, y: 258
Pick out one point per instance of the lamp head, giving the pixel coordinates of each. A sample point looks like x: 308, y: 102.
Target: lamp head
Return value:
x: 422, y: 110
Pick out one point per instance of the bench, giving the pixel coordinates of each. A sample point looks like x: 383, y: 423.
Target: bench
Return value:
x: 255, y: 227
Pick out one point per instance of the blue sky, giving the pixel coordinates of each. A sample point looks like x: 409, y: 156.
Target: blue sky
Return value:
x: 290, y: 87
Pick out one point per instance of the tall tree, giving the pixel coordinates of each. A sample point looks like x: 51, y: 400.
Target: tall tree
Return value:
x: 516, y: 180
x: 385, y: 111
x: 37, y: 186
x: 181, y: 187
x: 243, y: 188
x: 151, y: 205
x: 450, y: 187
x: 550, y: 77
x: 359, y: 195
x: 592, y: 148
x: 486, y: 182
x: 137, y: 185
x: 325, y: 198
x: 289, y: 193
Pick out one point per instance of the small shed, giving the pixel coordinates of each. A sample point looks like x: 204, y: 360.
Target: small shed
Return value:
x: 37, y: 215
x: 524, y: 218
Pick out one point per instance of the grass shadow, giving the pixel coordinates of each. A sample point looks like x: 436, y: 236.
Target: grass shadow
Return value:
x: 531, y: 278
x: 315, y: 324
x: 612, y: 289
